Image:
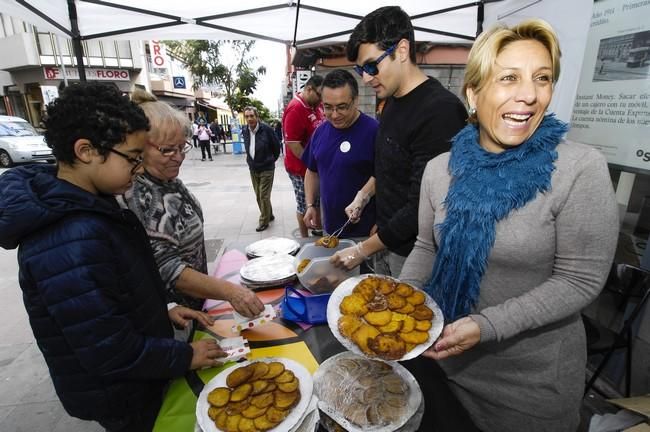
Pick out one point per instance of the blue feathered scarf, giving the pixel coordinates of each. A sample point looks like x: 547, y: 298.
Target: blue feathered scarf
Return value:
x: 485, y: 188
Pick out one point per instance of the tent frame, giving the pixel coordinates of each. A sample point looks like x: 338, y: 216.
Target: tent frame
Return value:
x: 174, y: 20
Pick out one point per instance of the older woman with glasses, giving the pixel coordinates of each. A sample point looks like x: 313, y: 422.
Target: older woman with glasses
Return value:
x: 517, y: 231
x: 173, y: 217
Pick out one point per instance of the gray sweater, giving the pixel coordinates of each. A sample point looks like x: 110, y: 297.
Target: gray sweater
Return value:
x: 549, y: 260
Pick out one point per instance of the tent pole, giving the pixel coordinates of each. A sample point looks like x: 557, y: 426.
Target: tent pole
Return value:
x: 295, y: 27
x: 480, y: 16
x: 76, y: 40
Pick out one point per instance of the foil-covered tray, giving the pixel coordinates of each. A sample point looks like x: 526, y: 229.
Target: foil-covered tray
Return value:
x: 269, y: 271
x: 272, y: 246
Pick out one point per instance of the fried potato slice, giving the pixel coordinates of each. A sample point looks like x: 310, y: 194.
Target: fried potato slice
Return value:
x: 246, y: 425
x: 406, y: 309
x: 285, y: 377
x: 422, y: 325
x: 303, y: 263
x: 219, y: 397
x: 252, y: 412
x: 232, y: 423
x: 409, y: 324
x: 403, y: 289
x: 272, y: 386
x: 378, y: 303
x: 353, y: 304
x: 275, y: 369
x: 422, y: 312
x: 417, y: 298
x: 259, y: 370
x: 213, y: 412
x: 395, y: 301
x: 259, y: 386
x: 263, y: 424
x: 284, y: 401
x: 221, y: 419
x: 395, y: 385
x: 365, y: 289
x: 327, y: 242
x: 378, y: 318
x: 348, y: 324
x: 361, y: 336
x: 388, y: 346
x: 391, y: 327
x: 239, y: 376
x: 290, y: 386
x: 386, y: 286
x: 237, y: 407
x: 415, y: 337
x: 262, y: 400
x: 241, y: 392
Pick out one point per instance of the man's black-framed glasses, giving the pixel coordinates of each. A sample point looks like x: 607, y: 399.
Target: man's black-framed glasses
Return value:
x: 340, y: 108
x: 371, y: 67
x: 171, y: 151
x: 136, y: 162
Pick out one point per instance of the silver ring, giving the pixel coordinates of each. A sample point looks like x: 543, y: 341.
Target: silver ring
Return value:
x: 349, y: 257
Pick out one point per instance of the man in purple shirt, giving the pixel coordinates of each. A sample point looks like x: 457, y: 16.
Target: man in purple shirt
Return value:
x: 340, y: 158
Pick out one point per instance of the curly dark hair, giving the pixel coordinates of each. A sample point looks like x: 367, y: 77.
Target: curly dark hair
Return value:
x: 94, y: 111
x: 385, y: 27
x: 340, y: 78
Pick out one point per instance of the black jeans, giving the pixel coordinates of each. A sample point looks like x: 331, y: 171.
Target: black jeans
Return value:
x: 205, y: 146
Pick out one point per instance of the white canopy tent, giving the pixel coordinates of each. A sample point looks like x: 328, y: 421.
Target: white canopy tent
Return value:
x: 298, y: 23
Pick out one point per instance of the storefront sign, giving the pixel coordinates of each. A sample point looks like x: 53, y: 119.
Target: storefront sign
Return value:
x: 55, y: 73
x: 158, y: 55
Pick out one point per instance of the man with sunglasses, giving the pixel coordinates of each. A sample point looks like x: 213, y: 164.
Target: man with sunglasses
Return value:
x: 340, y: 157
x: 419, y: 118
x: 301, y: 117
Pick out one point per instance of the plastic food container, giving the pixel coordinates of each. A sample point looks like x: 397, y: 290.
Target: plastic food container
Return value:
x: 319, y: 276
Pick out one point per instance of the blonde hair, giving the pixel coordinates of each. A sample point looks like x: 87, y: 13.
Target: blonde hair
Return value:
x: 486, y: 48
x: 166, y: 121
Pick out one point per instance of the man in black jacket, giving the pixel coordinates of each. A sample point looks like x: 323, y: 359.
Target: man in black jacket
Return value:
x: 419, y: 118
x: 262, y: 150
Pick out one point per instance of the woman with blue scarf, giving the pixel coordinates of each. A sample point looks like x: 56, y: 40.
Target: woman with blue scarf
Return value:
x: 517, y: 231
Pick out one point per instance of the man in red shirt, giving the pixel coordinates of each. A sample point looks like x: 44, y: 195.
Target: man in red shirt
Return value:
x: 301, y: 117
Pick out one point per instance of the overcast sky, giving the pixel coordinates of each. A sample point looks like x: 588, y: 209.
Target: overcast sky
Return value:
x: 272, y: 55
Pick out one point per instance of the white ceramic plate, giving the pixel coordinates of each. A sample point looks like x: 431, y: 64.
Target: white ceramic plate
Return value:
x: 269, y: 269
x: 346, y: 287
x: 306, y: 387
x: 321, y: 377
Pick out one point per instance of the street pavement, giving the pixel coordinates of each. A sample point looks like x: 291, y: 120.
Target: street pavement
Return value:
x: 28, y: 402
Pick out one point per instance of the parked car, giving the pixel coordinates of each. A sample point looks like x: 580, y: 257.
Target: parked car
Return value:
x: 19, y: 142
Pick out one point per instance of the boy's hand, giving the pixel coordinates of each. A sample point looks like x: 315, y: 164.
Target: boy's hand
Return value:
x: 181, y: 316
x: 245, y: 302
x: 206, y: 353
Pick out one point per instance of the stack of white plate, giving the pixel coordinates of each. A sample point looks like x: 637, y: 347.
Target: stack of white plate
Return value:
x: 269, y: 271
x: 272, y: 246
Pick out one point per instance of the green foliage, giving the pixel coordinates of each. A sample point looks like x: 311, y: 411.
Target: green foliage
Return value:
x: 204, y: 60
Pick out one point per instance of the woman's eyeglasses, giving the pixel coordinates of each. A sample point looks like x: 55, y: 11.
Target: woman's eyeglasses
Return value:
x: 171, y: 151
x: 371, y: 67
x: 136, y: 162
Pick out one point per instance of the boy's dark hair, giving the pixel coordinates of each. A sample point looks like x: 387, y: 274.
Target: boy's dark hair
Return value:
x: 385, y: 27
x: 314, y: 82
x: 340, y: 78
x: 94, y: 111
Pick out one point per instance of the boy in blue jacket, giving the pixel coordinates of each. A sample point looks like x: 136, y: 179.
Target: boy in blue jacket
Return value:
x: 91, y: 287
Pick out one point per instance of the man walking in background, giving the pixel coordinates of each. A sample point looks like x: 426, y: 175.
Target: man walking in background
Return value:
x: 262, y: 150
x: 301, y: 117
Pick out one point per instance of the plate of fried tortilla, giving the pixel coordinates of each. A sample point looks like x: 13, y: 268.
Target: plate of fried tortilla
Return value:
x: 266, y: 394
x: 378, y: 316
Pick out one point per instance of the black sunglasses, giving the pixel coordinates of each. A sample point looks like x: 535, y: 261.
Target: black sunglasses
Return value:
x: 371, y: 67
x: 135, y: 161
